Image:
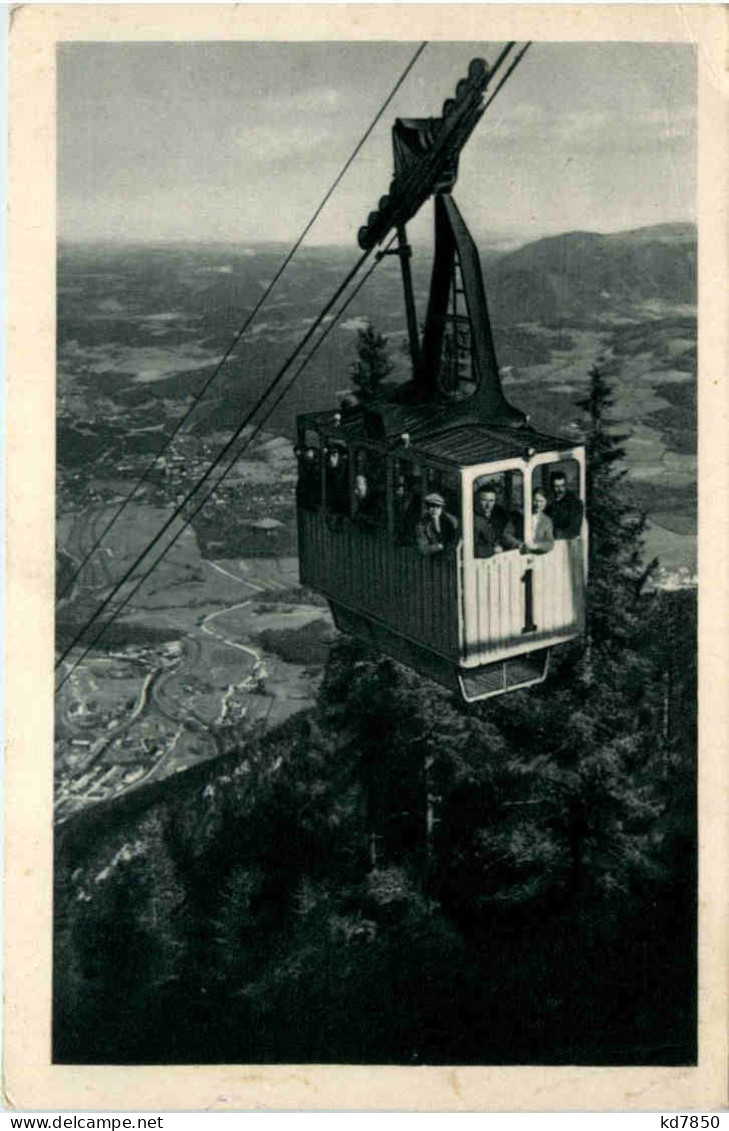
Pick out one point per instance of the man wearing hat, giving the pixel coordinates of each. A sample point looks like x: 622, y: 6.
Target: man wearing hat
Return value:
x: 436, y: 531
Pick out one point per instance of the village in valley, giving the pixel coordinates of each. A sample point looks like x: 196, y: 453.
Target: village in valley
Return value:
x: 184, y: 676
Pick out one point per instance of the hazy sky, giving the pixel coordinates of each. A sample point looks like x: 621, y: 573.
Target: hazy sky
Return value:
x: 239, y: 141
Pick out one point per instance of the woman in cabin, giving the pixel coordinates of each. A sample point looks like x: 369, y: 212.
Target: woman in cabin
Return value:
x: 542, y: 529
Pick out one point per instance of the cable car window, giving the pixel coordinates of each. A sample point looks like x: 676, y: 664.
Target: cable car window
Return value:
x: 336, y: 478
x: 448, y: 485
x: 432, y: 478
x: 308, y: 486
x: 438, y: 528
x: 561, y: 483
x: 407, y: 500
x: 369, y: 489
x: 498, y: 513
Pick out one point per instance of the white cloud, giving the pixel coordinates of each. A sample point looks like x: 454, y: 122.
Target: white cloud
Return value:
x: 317, y: 100
x: 358, y: 323
x: 593, y: 128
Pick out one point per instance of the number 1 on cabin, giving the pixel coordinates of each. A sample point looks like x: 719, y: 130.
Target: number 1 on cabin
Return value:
x: 527, y: 581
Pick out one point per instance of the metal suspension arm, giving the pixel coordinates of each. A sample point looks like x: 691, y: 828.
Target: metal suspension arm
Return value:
x: 426, y: 154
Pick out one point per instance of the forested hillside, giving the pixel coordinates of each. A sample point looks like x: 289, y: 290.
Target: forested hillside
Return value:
x: 586, y: 276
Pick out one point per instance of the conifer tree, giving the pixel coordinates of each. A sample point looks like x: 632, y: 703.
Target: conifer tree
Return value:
x: 373, y: 364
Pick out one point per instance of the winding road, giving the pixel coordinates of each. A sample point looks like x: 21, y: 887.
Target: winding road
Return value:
x: 247, y: 648
x: 85, y: 528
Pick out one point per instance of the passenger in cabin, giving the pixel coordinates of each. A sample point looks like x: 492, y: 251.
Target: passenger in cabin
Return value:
x: 367, y: 508
x: 308, y: 487
x: 564, y: 509
x: 542, y: 540
x: 493, y: 530
x: 437, y: 530
x: 337, y: 486
x: 408, y: 507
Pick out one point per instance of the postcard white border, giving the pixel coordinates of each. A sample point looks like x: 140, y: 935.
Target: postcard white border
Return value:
x: 31, y: 1082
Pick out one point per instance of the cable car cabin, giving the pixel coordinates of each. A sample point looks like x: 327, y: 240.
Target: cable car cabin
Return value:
x: 440, y: 526
x: 478, y: 616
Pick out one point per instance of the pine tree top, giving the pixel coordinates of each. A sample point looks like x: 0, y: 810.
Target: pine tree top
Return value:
x: 373, y: 364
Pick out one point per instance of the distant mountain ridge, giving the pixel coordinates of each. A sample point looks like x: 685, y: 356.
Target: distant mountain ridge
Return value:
x: 678, y: 231
x: 587, y: 275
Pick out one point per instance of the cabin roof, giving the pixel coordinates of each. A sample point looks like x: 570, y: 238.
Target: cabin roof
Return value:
x: 464, y: 442
x: 467, y: 444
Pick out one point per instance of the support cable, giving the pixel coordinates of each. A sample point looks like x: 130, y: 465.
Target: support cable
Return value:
x: 178, y: 534
x: 505, y: 50
x: 209, y: 381
x: 509, y: 72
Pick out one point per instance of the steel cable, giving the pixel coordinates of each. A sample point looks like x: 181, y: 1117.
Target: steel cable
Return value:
x: 249, y: 439
x: 220, y: 456
x: 509, y: 72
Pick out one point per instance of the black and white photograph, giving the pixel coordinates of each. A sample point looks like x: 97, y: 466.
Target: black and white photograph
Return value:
x: 375, y: 613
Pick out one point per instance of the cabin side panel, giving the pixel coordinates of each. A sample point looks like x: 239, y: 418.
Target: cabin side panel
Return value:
x: 361, y: 568
x: 515, y: 603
